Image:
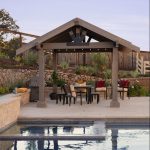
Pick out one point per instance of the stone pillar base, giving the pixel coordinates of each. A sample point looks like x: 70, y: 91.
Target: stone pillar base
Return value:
x: 114, y: 104
x: 41, y: 104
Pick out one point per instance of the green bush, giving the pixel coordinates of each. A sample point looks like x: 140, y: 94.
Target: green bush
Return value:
x: 88, y: 70
x: 123, y: 74
x: 138, y: 90
x: 55, y: 80
x: 90, y: 82
x: 145, y: 75
x: 64, y: 65
x: 107, y: 74
x: 100, y: 61
x: 3, y: 55
x: 54, y: 77
x: 60, y: 82
x: 79, y: 70
x: 31, y: 59
x: 92, y: 71
x: 17, y: 58
x: 4, y: 90
x: 128, y: 74
x: 134, y: 74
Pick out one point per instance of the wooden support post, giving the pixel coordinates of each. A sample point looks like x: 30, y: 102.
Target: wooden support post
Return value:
x: 55, y: 61
x: 55, y: 69
x: 42, y: 101
x: 114, y: 102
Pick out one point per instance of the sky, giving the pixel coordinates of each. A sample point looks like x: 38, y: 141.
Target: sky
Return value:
x: 128, y: 19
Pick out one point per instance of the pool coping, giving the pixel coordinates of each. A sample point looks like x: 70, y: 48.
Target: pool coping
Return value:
x: 115, y: 120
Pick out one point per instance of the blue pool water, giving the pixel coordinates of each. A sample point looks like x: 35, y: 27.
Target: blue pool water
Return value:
x: 91, y: 135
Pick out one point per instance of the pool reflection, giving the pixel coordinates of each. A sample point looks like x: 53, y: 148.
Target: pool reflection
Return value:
x: 114, y: 136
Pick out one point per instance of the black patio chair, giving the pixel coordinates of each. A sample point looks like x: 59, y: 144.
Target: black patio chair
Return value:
x: 68, y: 95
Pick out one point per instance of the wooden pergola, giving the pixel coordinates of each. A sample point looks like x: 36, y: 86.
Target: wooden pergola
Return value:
x: 78, y: 36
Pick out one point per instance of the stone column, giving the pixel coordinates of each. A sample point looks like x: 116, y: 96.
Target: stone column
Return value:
x: 41, y: 102
x: 114, y: 102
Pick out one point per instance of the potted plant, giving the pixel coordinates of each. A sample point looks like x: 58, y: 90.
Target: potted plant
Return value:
x: 56, y: 82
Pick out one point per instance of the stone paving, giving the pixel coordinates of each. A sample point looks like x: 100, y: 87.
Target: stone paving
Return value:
x: 136, y: 108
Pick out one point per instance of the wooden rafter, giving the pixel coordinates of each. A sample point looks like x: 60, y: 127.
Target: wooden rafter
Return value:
x: 17, y: 32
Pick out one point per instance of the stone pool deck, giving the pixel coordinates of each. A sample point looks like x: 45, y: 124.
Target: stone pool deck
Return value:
x: 133, y: 108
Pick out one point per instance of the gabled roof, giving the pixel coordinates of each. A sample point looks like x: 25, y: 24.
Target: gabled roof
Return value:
x: 71, y: 24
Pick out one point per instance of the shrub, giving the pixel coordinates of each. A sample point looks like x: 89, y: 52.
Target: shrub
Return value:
x: 107, y: 74
x: 90, y: 82
x: 100, y: 61
x: 77, y: 70
x: 134, y: 74
x: 138, y: 90
x: 64, y: 65
x: 60, y: 82
x: 17, y: 58
x: 55, y: 80
x: 126, y: 74
x: 54, y: 77
x: 31, y: 59
x: 92, y: 71
x: 88, y: 70
x: 3, y: 55
x: 4, y: 90
x: 145, y: 75
x: 123, y: 74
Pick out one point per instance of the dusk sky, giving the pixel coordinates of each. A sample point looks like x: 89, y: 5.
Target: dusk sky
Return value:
x: 128, y: 19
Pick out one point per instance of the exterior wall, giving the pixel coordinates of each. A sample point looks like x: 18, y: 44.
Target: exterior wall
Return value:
x: 9, y: 110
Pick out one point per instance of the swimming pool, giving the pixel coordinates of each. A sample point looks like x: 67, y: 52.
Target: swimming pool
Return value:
x: 76, y: 135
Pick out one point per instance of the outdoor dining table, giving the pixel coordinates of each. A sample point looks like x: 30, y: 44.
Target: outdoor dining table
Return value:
x: 88, y: 89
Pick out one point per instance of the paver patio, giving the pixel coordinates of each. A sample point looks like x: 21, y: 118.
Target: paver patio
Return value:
x: 136, y: 107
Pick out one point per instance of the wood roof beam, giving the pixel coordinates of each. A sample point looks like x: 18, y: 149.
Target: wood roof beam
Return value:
x: 93, y: 45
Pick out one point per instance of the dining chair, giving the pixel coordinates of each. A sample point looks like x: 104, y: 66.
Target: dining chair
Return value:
x: 69, y: 94
x: 81, y: 91
x: 123, y: 87
x: 100, y: 86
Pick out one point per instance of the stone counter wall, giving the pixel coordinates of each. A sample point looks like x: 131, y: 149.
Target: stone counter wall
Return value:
x: 9, y: 110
